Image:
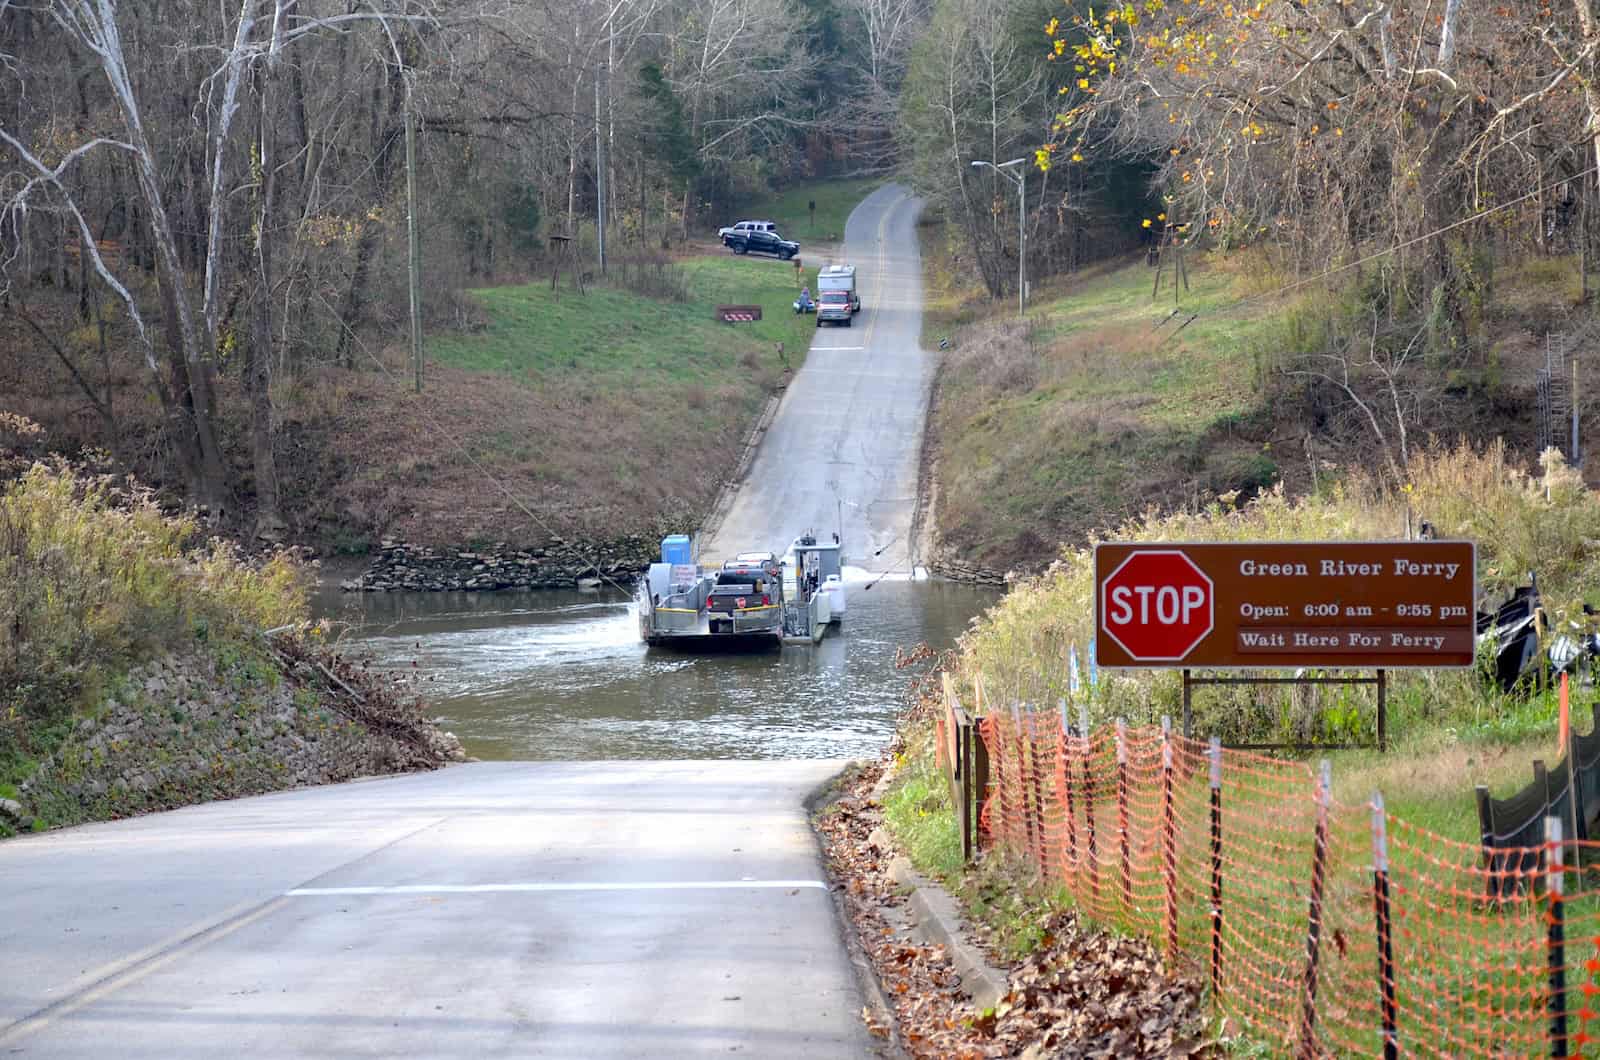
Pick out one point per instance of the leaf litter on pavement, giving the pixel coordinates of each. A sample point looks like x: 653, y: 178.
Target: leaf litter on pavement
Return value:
x: 1081, y: 993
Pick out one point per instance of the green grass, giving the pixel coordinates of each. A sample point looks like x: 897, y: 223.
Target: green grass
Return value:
x: 616, y: 338
x: 1097, y: 407
x: 676, y: 391
x: 790, y: 209
x: 918, y: 812
x: 1426, y: 782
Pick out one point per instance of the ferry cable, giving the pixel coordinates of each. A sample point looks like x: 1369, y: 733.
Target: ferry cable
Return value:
x: 1375, y: 255
x: 476, y: 464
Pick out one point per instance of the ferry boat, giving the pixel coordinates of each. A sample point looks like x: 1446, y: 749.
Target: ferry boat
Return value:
x: 755, y: 600
x: 816, y: 567
x: 737, y: 605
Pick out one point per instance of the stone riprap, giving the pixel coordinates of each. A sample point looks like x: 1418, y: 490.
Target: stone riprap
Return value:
x: 193, y: 728
x: 401, y: 567
x: 957, y: 570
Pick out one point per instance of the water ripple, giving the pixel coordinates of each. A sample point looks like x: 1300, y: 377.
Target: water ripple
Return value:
x: 558, y: 675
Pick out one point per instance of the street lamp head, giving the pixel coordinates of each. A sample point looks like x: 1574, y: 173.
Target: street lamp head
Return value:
x: 977, y: 165
x: 1013, y: 162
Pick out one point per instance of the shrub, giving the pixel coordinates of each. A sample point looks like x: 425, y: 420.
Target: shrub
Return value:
x: 97, y: 579
x: 1001, y: 356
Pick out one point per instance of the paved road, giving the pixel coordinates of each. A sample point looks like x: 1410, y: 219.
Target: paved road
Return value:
x: 589, y: 910
x: 847, y: 438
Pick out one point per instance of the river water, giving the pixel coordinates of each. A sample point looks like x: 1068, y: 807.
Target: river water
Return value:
x: 563, y: 675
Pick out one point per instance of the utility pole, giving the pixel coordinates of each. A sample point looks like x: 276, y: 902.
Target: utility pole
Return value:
x: 413, y: 264
x: 1022, y: 223
x: 599, y: 176
x: 1022, y: 240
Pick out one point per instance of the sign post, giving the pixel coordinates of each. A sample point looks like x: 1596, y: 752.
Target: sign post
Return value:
x: 1286, y: 605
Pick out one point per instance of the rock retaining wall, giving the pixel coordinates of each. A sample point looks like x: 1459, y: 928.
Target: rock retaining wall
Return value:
x: 401, y: 567
x: 193, y: 728
x: 972, y: 574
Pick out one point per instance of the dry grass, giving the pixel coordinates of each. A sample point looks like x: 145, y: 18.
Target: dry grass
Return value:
x: 1548, y: 523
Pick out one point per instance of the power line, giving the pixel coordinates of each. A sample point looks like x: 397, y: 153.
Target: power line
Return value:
x: 477, y: 465
x: 1286, y: 288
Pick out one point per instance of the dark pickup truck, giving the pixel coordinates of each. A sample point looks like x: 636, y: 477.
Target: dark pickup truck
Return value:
x: 755, y: 242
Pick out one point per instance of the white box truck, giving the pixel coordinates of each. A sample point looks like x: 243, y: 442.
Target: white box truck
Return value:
x: 839, y: 278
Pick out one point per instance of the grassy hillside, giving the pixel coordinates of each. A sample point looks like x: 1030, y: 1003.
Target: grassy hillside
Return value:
x: 605, y: 413
x: 144, y: 665
x: 1095, y: 406
x: 613, y: 336
x: 1108, y: 401
x: 790, y: 209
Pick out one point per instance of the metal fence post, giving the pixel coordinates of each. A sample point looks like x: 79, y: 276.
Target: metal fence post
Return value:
x: 1064, y: 778
x: 1383, y: 711
x: 1169, y: 842
x: 1215, y: 754
x: 1387, y: 998
x: 1319, y: 867
x: 1555, y: 871
x: 1088, y: 803
x: 967, y: 816
x: 1022, y: 783
x: 1040, y: 845
x: 1122, y: 814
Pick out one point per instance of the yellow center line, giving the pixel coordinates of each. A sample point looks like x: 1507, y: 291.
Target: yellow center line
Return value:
x: 883, y: 225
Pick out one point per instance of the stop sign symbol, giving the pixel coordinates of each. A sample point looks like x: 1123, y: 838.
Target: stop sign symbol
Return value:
x: 1157, y: 605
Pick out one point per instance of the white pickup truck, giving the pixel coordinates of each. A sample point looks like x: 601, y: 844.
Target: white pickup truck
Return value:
x: 744, y: 227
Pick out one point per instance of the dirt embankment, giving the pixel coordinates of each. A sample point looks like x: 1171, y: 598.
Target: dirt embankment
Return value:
x: 146, y: 665
x: 203, y: 725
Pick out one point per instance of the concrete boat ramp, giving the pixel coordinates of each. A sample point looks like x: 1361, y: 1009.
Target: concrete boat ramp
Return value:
x: 585, y: 910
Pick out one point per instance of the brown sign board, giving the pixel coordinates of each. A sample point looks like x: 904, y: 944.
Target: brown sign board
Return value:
x: 737, y: 314
x: 1274, y: 604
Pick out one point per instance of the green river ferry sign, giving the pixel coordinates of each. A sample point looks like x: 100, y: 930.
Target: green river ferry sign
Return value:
x: 1275, y: 604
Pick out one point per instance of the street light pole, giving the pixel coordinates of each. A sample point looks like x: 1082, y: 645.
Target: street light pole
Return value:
x: 1022, y: 223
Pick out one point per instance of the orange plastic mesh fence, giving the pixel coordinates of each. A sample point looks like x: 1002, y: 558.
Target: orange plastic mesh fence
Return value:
x: 1269, y: 890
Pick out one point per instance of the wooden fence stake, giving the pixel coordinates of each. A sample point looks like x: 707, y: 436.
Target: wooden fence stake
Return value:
x: 1319, y: 868
x: 1088, y: 803
x: 1064, y: 793
x: 1040, y: 841
x: 1387, y: 997
x: 1215, y: 754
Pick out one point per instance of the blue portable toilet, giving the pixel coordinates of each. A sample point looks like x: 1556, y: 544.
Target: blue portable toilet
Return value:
x: 675, y: 549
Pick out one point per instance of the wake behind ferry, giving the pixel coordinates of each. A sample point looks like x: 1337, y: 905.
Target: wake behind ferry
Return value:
x: 755, y: 600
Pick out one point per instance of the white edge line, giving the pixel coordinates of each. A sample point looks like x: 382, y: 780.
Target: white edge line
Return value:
x: 824, y: 349
x: 538, y: 888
